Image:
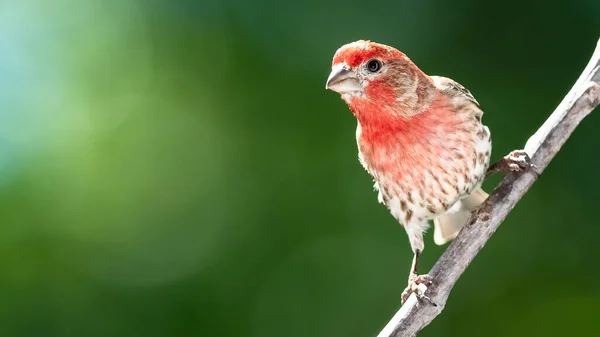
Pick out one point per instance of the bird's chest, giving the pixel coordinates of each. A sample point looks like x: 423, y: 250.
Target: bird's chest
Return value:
x: 388, y: 157
x: 419, y: 176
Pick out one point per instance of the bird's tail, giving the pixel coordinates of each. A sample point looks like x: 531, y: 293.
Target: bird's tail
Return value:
x: 447, y: 226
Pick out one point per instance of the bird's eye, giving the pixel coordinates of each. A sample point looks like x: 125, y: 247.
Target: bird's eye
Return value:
x: 374, y: 65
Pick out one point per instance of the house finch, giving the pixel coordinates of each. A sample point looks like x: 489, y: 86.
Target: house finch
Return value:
x: 420, y: 137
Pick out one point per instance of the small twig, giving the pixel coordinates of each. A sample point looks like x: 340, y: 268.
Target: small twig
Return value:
x: 583, y: 97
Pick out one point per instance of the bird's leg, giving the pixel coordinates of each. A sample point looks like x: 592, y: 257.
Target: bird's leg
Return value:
x: 516, y: 161
x: 417, y: 284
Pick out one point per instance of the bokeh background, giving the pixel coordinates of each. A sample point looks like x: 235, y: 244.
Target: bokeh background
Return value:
x: 176, y: 168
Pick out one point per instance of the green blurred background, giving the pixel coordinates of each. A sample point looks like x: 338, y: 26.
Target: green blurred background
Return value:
x: 176, y: 168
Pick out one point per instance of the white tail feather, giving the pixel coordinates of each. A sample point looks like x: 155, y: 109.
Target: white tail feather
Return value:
x: 447, y: 226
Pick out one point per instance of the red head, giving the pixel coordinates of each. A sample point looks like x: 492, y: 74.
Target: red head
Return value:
x: 372, y: 75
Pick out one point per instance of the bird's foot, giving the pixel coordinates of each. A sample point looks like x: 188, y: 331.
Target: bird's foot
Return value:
x: 417, y: 284
x: 516, y: 161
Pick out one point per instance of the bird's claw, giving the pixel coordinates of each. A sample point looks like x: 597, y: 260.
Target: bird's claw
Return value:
x: 417, y: 284
x: 517, y: 161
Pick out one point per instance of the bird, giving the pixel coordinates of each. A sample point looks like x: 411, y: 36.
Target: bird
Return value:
x: 420, y: 137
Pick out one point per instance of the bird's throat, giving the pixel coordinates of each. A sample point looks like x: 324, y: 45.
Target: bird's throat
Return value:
x: 384, y: 132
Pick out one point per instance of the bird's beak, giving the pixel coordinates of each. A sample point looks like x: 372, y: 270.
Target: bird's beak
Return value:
x: 343, y: 80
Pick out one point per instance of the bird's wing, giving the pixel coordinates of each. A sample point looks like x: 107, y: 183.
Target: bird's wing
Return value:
x: 453, y: 89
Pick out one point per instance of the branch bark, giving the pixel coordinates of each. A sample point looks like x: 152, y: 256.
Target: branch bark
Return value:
x: 583, y: 97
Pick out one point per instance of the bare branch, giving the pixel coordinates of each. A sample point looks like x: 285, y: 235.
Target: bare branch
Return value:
x: 583, y: 97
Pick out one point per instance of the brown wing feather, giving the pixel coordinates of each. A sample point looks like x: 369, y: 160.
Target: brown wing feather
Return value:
x: 453, y: 89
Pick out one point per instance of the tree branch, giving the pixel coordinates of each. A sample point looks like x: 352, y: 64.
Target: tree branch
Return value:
x: 583, y: 97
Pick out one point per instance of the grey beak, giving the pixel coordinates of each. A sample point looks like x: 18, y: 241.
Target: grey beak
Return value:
x: 343, y: 80
x: 338, y: 75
